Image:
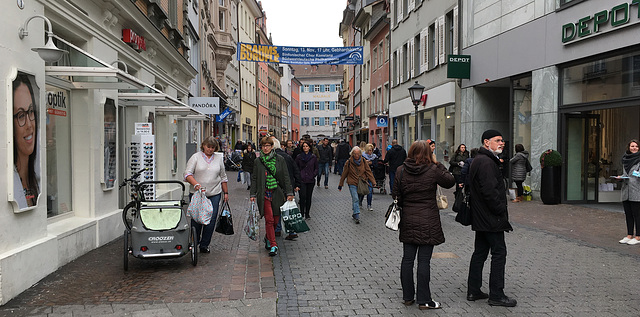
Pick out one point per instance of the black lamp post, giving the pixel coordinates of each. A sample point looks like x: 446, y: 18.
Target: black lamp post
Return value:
x: 415, y: 92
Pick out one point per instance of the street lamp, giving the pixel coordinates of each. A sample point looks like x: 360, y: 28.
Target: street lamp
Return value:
x: 415, y: 92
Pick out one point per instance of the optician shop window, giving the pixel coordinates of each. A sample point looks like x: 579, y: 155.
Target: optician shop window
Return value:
x: 58, y: 135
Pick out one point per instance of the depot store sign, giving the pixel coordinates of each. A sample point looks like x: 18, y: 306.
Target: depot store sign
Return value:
x: 625, y: 14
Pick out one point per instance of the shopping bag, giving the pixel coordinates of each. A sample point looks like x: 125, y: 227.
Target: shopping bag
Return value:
x: 442, y: 200
x: 292, y: 217
x: 225, y: 221
x: 251, y: 225
x: 464, y: 211
x: 512, y: 194
x: 392, y: 217
x: 200, y: 208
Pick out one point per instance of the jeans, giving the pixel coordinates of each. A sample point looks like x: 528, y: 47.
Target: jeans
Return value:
x: 340, y: 165
x: 204, y: 232
x: 424, y: 272
x: 306, y: 192
x: 323, y: 167
x: 392, y: 178
x: 247, y: 178
x: 369, y: 195
x: 632, y: 216
x: 355, y: 200
x: 485, y: 242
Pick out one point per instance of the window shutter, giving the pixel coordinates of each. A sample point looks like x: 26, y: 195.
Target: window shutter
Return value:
x: 441, y: 32
x: 321, y: 88
x: 332, y: 88
x: 321, y: 121
x: 436, y: 29
x: 321, y: 105
x: 455, y: 30
x: 392, y: 8
x: 401, y: 58
x: 424, y: 56
x: 412, y: 5
x: 412, y: 56
x: 392, y: 69
x: 400, y: 10
x: 332, y: 105
x: 311, y: 88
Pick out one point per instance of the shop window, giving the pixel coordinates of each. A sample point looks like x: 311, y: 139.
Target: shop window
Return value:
x: 109, y: 176
x: 58, y: 138
x: 521, y: 114
x: 603, y: 79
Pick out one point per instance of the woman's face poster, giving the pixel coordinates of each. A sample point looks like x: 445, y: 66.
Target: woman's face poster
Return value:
x: 26, y: 164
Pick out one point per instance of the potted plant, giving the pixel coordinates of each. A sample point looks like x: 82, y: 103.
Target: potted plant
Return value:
x: 550, y: 163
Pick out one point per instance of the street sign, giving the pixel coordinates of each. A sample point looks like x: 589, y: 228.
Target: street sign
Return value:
x: 348, y: 118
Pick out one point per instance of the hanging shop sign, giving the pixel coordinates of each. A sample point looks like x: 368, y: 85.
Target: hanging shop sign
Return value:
x: 226, y: 112
x: 382, y: 121
x: 57, y: 103
x: 598, y: 23
x: 459, y: 66
x: 134, y: 40
x: 350, y: 55
x: 206, y: 105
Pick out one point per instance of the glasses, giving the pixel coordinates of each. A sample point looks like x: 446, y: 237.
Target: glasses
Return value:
x: 22, y: 116
x: 499, y: 141
x: 267, y: 145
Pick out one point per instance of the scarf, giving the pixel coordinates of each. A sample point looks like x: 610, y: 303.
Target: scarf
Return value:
x: 370, y: 157
x: 358, y: 161
x: 269, y: 161
x: 629, y: 160
x: 305, y: 157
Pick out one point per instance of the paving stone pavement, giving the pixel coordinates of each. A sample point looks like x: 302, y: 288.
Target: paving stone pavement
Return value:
x: 563, y: 260
x: 340, y: 268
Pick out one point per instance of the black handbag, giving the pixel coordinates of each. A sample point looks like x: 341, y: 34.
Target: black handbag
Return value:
x: 224, y: 224
x: 461, y: 206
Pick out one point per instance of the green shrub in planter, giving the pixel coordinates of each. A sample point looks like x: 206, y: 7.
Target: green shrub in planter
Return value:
x: 550, y: 158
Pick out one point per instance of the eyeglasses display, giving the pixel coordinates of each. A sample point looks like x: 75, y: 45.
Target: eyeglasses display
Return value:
x: 143, y: 156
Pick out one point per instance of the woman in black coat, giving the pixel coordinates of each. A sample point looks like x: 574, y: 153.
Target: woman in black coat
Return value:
x: 308, y: 165
x: 248, y: 157
x: 456, y: 163
x: 420, y: 228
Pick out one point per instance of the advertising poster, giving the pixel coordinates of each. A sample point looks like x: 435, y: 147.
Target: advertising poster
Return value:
x: 26, y: 158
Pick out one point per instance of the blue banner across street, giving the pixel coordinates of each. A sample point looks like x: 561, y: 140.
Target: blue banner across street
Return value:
x: 350, y: 55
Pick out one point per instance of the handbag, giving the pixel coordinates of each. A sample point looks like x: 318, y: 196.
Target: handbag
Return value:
x: 442, y: 200
x: 464, y: 211
x: 528, y: 166
x: 200, y: 208
x: 251, y: 225
x: 393, y: 216
x: 363, y: 187
x: 224, y: 224
x: 292, y: 217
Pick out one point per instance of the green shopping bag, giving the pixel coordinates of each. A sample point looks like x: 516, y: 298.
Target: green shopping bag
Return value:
x: 293, y: 219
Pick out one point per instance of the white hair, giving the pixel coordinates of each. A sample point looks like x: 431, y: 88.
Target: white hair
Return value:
x: 276, y: 143
x: 354, y: 149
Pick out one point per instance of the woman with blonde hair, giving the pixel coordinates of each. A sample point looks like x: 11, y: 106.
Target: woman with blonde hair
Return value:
x: 205, y: 171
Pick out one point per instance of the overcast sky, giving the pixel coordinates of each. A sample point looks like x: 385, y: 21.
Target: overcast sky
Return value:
x: 306, y: 23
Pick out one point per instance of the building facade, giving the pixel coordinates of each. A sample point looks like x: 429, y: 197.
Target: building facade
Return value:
x: 127, y: 72
x: 295, y: 108
x: 248, y: 14
x: 319, y: 106
x: 556, y: 75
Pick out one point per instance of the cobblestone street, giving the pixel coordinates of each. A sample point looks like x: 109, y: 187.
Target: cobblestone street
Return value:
x: 340, y: 268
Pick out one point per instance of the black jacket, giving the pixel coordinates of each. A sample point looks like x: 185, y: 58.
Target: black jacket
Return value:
x: 395, y: 157
x: 342, y: 151
x: 325, y: 154
x: 292, y: 167
x: 488, y: 200
x: 248, y: 158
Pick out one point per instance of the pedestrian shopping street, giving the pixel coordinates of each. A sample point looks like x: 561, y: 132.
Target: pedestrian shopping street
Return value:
x: 340, y: 268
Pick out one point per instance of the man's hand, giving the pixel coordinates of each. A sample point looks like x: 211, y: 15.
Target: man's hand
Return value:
x: 290, y: 198
x: 252, y: 199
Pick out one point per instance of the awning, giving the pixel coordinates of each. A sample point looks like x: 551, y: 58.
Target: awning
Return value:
x: 85, y: 71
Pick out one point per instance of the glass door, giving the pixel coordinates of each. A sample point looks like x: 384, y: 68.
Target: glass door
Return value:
x: 582, y: 139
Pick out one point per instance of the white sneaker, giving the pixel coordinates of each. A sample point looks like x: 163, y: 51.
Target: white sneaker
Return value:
x: 624, y: 240
x: 370, y: 208
x: 633, y: 242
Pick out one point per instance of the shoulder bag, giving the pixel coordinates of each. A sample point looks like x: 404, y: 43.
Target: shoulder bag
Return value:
x: 441, y: 200
x: 464, y: 211
x: 392, y: 217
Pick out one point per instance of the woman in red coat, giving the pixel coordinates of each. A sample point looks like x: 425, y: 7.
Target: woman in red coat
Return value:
x: 420, y: 228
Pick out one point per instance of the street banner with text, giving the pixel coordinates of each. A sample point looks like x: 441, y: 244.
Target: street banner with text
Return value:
x: 350, y: 55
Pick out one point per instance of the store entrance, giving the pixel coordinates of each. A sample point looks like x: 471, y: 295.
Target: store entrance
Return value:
x: 582, y: 157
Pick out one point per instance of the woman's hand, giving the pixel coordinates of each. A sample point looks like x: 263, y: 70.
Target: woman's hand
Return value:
x: 197, y: 186
x: 226, y: 196
x: 252, y: 199
x: 290, y: 198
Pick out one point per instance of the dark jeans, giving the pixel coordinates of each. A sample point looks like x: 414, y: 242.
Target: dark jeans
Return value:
x: 306, y: 192
x: 424, y: 272
x: 323, y: 168
x: 485, y: 242
x: 632, y: 215
x: 340, y: 165
x: 519, y: 188
x: 203, y: 232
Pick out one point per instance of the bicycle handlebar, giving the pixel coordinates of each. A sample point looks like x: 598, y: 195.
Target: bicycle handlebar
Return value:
x: 133, y: 176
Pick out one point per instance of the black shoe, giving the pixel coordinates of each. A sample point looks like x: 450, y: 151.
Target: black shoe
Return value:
x: 248, y: 187
x: 474, y: 297
x: 205, y: 250
x: 409, y: 302
x: 291, y: 237
x: 505, y: 301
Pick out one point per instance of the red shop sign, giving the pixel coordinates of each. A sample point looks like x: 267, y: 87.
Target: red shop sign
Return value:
x: 136, y: 41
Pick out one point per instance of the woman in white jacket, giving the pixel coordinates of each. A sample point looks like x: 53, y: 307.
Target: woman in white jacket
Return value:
x: 205, y: 171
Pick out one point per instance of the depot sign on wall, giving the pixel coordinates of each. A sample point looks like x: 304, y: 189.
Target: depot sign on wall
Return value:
x: 206, y: 105
x: 617, y: 17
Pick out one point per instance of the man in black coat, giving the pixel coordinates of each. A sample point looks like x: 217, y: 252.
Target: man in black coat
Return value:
x: 325, y: 158
x: 395, y: 157
x: 490, y: 219
x: 294, y: 176
x: 342, y: 155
